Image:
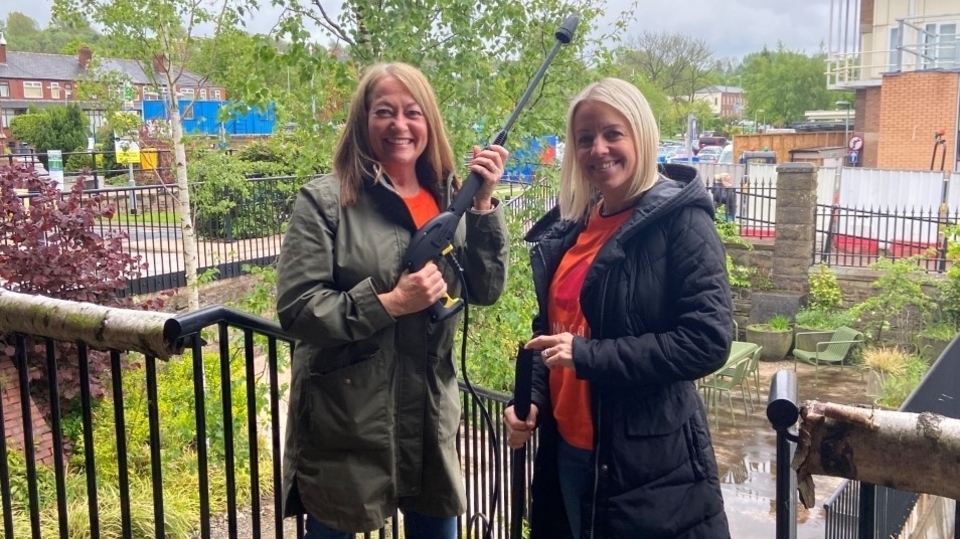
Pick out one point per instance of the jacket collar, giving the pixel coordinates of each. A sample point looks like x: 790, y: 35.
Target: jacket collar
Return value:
x: 678, y: 185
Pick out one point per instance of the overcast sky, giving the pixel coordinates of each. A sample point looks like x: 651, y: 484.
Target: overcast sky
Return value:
x: 731, y: 28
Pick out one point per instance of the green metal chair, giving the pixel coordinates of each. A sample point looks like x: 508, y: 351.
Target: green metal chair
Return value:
x: 832, y: 352
x: 724, y: 381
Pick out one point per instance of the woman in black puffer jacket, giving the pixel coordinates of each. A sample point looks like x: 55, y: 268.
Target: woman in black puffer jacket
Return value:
x: 634, y: 307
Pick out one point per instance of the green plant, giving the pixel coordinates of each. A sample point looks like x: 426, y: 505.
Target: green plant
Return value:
x: 887, y: 360
x: 776, y: 323
x: 739, y: 276
x: 826, y: 320
x: 941, y: 331
x: 825, y: 294
x: 899, y: 296
x: 895, y: 389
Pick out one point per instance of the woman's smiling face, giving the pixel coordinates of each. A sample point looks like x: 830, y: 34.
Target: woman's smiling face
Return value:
x: 396, y: 125
x: 606, y: 150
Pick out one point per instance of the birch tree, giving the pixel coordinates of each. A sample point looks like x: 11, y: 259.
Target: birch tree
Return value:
x: 160, y: 35
x: 900, y: 450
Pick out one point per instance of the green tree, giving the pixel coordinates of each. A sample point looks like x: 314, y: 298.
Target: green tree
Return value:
x: 479, y: 60
x: 785, y: 84
x: 53, y: 128
x: 160, y: 36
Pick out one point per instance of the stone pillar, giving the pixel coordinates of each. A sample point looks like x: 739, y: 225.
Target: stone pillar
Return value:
x: 795, y: 226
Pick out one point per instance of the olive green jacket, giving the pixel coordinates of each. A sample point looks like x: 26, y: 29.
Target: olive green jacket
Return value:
x: 374, y: 406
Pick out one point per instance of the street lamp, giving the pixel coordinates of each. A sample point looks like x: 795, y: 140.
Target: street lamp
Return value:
x: 756, y: 127
x: 846, y: 129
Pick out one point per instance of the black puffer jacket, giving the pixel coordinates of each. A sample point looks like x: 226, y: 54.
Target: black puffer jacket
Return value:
x: 657, y: 301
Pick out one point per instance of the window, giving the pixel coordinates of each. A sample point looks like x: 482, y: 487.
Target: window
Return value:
x: 4, y: 89
x: 187, y: 93
x: 216, y: 95
x: 8, y: 114
x: 32, y: 90
x: 940, y: 46
x: 54, y: 90
x: 892, y: 63
x: 150, y: 95
x: 203, y: 93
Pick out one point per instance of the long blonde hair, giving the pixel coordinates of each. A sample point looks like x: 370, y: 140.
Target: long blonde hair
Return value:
x: 353, y: 159
x: 576, y: 193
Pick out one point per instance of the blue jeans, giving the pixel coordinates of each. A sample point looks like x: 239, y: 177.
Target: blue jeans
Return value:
x: 415, y: 526
x: 574, y: 467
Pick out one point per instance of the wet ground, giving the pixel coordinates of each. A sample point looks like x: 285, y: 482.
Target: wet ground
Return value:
x: 746, y: 452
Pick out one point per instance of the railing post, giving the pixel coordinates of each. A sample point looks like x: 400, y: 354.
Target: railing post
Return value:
x: 867, y: 511
x: 783, y: 412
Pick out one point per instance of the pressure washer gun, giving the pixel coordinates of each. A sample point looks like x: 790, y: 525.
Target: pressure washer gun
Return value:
x: 435, y: 239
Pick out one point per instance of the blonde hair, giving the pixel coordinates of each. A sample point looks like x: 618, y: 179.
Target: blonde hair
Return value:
x: 576, y: 194
x: 353, y: 159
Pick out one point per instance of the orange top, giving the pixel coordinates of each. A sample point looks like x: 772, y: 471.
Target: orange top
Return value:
x: 422, y: 207
x: 570, y: 395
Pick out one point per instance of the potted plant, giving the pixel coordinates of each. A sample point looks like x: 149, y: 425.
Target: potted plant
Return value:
x: 933, y: 340
x: 775, y: 336
x: 881, y: 363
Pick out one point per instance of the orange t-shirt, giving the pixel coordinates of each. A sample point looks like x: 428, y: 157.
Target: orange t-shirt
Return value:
x: 570, y: 395
x: 422, y: 207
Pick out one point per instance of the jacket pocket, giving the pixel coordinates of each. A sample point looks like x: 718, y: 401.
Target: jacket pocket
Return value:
x: 349, y: 407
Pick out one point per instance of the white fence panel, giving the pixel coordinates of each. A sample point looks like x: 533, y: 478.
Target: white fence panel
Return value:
x: 762, y: 172
x: 881, y: 189
x: 825, y: 180
x: 709, y: 170
x: 953, y: 193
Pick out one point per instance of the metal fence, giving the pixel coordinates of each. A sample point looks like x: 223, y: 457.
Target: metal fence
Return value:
x: 859, y: 237
x: 99, y: 168
x: 232, y: 371
x: 250, y: 232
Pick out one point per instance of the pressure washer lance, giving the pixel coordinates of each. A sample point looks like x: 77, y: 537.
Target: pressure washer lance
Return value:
x: 434, y: 240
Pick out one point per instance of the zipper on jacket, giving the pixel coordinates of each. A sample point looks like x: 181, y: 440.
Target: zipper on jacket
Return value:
x: 596, y: 451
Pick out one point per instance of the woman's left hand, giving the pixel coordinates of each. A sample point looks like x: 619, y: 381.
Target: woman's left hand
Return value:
x: 555, y: 350
x: 488, y: 163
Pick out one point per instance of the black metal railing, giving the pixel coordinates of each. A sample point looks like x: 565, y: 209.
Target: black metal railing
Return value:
x: 214, y: 414
x: 99, y: 168
x: 249, y: 233
x: 860, y: 236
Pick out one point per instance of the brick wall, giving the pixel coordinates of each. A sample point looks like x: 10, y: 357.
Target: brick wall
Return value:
x: 867, y: 124
x: 13, y: 418
x: 915, y: 105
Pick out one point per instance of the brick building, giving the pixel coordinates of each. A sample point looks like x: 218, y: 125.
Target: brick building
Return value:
x: 725, y: 101
x: 40, y: 79
x: 902, y: 59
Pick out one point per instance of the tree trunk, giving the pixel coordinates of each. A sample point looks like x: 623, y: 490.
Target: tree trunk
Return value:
x: 900, y: 450
x: 186, y: 214
x: 97, y: 326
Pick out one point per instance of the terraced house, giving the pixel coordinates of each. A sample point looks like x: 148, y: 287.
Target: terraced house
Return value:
x: 33, y: 79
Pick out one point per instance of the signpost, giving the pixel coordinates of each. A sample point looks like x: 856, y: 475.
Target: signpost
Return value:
x: 128, y: 152
x: 855, y: 143
x: 55, y: 166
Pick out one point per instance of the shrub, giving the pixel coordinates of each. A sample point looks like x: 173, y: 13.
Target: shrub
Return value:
x: 53, y: 250
x: 826, y: 320
x: 825, y: 294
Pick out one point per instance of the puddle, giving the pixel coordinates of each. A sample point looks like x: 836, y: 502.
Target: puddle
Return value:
x: 746, y: 453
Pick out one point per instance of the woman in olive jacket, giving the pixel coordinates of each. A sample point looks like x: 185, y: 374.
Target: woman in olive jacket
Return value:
x: 374, y: 404
x: 657, y: 305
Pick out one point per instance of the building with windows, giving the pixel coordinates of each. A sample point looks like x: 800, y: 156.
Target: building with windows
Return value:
x: 40, y: 79
x: 725, y: 101
x: 902, y: 59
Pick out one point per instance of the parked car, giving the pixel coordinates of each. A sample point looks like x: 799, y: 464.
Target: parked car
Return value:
x: 726, y: 155
x: 709, y: 154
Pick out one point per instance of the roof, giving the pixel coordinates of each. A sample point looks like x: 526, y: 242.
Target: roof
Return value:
x: 45, y: 66
x: 720, y: 90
